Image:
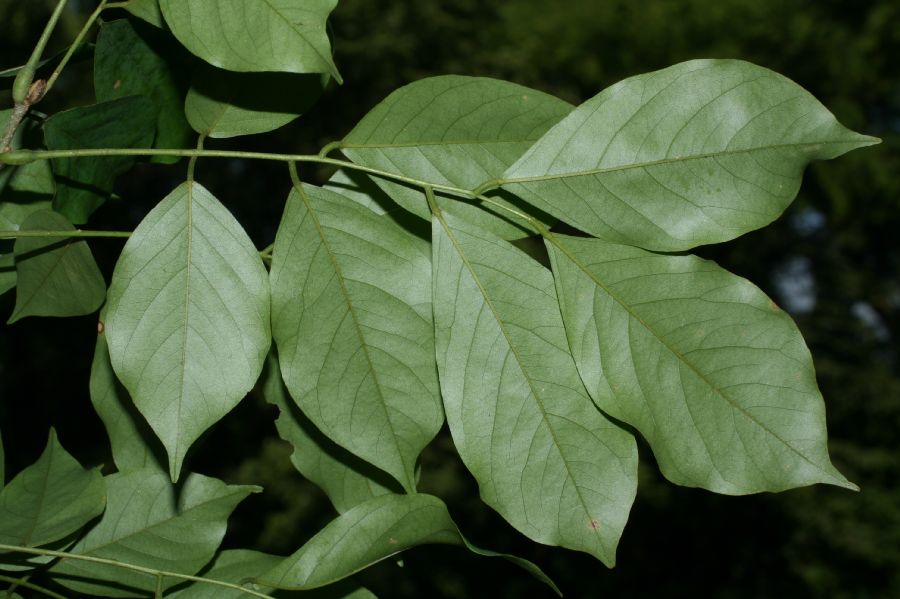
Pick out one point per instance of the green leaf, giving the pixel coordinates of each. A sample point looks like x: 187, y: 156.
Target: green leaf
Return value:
x: 255, y: 35
x: 150, y: 523
x: 133, y: 443
x: 49, y: 500
x: 148, y: 10
x: 345, y: 478
x: 225, y: 104
x: 700, y: 361
x: 544, y: 457
x: 7, y: 272
x: 2, y: 464
x: 362, y: 189
x: 700, y: 152
x: 351, y: 315
x: 29, y: 183
x: 56, y: 276
x: 83, y: 184
x: 134, y: 59
x: 388, y: 525
x: 188, y: 321
x: 235, y: 566
x: 457, y: 131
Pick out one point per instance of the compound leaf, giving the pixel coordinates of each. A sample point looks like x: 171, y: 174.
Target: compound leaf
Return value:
x: 457, y: 131
x: 700, y: 152
x: 345, y: 478
x: 255, y: 35
x: 700, y: 361
x: 226, y: 104
x: 151, y: 523
x: 369, y: 533
x: 56, y: 276
x: 543, y: 455
x: 83, y: 184
x: 188, y: 318
x: 49, y: 500
x: 351, y: 315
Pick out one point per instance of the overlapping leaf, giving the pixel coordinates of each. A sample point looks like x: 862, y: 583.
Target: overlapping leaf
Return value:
x: 457, y: 131
x: 255, y: 35
x: 83, y: 184
x: 700, y: 152
x: 545, y: 458
x: 148, y: 10
x: 132, y: 59
x: 25, y: 185
x: 345, y: 478
x: 700, y: 361
x: 226, y: 104
x: 151, y: 524
x: 49, y: 500
x: 351, y: 315
x: 132, y: 441
x: 56, y: 276
x: 371, y: 532
x: 188, y: 318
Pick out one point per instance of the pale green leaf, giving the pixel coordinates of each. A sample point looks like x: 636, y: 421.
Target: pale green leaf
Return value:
x: 700, y: 361
x: 134, y: 59
x: 49, y: 500
x: 543, y: 455
x: 56, y: 276
x: 134, y: 445
x: 700, y: 152
x: 148, y: 10
x: 83, y: 184
x: 226, y: 104
x: 457, y: 131
x: 188, y: 318
x: 255, y: 35
x: 369, y: 533
x: 351, y: 315
x: 345, y: 478
x: 362, y: 189
x: 151, y: 523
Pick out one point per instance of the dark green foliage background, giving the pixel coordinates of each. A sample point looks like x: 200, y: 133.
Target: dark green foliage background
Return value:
x: 840, y: 235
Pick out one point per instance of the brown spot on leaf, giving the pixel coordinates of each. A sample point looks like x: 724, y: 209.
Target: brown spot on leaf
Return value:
x: 117, y: 84
x: 773, y: 306
x: 392, y: 541
x: 100, y: 327
x: 594, y: 524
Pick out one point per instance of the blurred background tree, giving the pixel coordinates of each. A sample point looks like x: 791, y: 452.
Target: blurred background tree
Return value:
x: 833, y: 261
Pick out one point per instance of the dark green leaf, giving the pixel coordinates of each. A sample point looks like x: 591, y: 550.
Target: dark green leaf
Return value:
x: 389, y: 524
x: 188, y: 321
x: 7, y: 272
x: 457, y: 131
x: 700, y: 152
x: 56, y: 276
x: 345, y: 478
x: 133, y: 59
x: 543, y: 455
x: 49, y: 500
x: 351, y: 315
x: 235, y: 566
x: 83, y: 184
x: 226, y: 104
x: 710, y: 370
x: 151, y: 523
x: 255, y: 35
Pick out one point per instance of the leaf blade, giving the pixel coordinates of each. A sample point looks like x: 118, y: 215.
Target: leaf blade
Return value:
x: 520, y: 417
x: 700, y: 152
x: 730, y: 402
x: 342, y: 274
x: 188, y: 317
